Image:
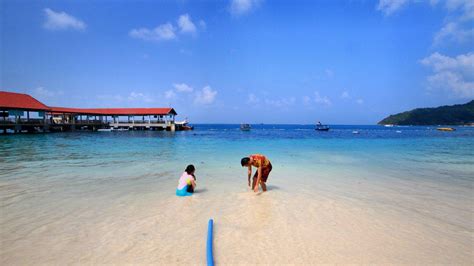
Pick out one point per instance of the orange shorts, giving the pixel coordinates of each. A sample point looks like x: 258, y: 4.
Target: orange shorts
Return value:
x: 265, y: 172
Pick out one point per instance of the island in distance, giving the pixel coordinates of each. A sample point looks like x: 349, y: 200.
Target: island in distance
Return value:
x: 459, y: 114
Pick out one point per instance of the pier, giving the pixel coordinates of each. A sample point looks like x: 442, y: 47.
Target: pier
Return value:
x: 21, y: 113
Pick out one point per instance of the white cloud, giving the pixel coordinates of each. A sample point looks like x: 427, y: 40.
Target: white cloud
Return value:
x: 439, y: 62
x: 317, y: 98
x: 182, y: 87
x: 453, y: 31
x: 241, y: 7
x: 252, y: 99
x: 360, y: 101
x: 132, y: 98
x: 457, y: 27
x: 466, y: 7
x: 458, y: 24
x: 452, y: 74
x: 61, y: 21
x: 45, y: 94
x: 388, y: 7
x: 139, y: 97
x: 170, y: 94
x: 306, y: 100
x: 205, y: 96
x: 322, y: 100
x: 167, y: 31
x: 161, y: 33
x: 186, y: 25
x: 345, y: 95
x: 281, y: 102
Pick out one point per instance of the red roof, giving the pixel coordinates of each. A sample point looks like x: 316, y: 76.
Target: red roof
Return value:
x: 115, y: 111
x: 12, y: 100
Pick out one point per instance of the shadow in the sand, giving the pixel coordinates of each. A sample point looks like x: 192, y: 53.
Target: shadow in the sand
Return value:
x: 272, y: 187
x: 201, y: 190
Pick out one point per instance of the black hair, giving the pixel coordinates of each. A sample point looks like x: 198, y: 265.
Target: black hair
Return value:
x: 245, y: 161
x: 190, y: 169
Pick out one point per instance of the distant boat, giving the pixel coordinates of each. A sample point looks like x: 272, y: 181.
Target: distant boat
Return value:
x: 321, y: 127
x: 104, y: 129
x: 355, y: 132
x: 245, y: 127
x: 388, y: 125
x: 446, y: 129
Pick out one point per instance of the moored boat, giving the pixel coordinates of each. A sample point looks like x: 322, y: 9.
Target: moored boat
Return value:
x: 321, y: 127
x: 184, y: 125
x: 446, y: 129
x: 245, y: 127
x: 104, y: 129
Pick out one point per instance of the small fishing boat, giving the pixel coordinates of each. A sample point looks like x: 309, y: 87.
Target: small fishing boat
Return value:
x: 446, y: 129
x: 321, y: 127
x: 245, y: 127
x: 355, y: 132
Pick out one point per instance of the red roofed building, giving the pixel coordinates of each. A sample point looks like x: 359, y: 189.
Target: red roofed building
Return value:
x: 20, y: 101
x: 115, y: 111
x: 13, y: 107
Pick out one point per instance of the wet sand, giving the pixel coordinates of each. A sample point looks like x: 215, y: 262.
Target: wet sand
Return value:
x: 310, y: 222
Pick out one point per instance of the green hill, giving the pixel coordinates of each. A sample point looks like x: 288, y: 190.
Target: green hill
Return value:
x: 459, y: 114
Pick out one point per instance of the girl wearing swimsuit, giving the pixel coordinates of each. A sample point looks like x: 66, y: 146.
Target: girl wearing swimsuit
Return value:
x: 187, y: 182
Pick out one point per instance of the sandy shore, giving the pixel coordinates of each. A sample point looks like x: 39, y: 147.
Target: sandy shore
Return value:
x: 305, y: 223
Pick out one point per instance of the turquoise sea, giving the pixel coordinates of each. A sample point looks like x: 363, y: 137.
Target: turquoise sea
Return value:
x: 89, y: 197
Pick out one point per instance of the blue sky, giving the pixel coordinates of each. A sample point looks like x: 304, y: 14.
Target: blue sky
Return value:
x: 341, y: 62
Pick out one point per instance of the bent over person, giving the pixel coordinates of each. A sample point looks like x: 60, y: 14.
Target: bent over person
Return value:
x: 264, y: 167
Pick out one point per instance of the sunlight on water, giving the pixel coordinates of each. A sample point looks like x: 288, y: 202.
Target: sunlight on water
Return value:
x: 335, y: 197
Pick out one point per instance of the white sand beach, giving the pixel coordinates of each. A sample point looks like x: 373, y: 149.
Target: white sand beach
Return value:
x: 311, y: 222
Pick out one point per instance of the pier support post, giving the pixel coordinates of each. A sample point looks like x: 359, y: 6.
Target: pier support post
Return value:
x: 4, y: 113
x: 17, y: 128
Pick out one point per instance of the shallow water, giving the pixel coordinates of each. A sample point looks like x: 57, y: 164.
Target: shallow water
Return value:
x: 334, y: 197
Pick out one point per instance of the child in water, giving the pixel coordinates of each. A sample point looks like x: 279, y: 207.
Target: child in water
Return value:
x: 187, y: 182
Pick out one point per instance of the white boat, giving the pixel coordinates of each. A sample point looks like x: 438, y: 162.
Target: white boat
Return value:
x: 104, y: 129
x: 183, y: 125
x: 355, y: 132
x: 120, y: 129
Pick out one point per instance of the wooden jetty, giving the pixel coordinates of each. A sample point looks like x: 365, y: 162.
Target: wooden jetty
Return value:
x: 23, y: 113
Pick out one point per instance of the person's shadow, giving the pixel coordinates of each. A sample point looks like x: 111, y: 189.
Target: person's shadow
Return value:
x: 272, y: 187
x: 200, y: 190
